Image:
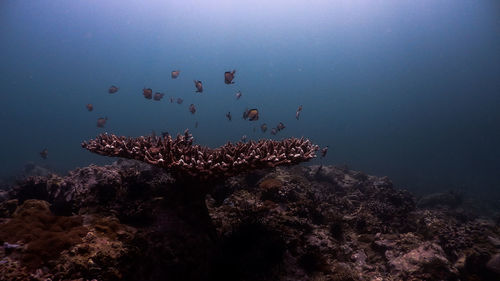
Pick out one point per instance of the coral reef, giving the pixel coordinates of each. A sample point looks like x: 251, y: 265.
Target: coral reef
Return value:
x: 289, y: 223
x: 38, y: 245
x: 179, y: 155
x: 44, y: 234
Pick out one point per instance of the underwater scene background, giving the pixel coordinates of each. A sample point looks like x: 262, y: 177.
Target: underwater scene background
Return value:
x: 406, y: 89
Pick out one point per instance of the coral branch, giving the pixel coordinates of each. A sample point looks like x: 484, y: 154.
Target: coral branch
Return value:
x: 181, y: 156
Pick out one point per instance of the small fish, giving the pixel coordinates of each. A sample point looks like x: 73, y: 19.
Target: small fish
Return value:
x: 297, y: 114
x: 245, y: 114
x: 179, y: 101
x: 228, y: 116
x: 175, y: 73
x: 199, y: 86
x: 148, y: 93
x: 273, y: 131
x: 253, y: 114
x: 280, y: 126
x: 263, y: 127
x: 324, y: 151
x: 112, y: 89
x: 192, y: 109
x: 158, y: 96
x: 44, y: 153
x: 229, y: 76
x: 101, y: 122
x: 172, y: 99
x: 244, y: 138
x: 238, y: 95
x: 196, y: 124
x: 89, y: 107
x: 164, y: 134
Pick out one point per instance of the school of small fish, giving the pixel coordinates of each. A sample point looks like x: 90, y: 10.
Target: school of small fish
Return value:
x: 251, y: 115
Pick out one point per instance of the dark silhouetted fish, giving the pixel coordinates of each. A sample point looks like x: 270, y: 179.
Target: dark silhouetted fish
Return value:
x: 238, y: 95
x: 263, y: 127
x: 175, y: 73
x: 192, y: 109
x: 158, y: 96
x: 280, y: 126
x: 44, y: 153
x: 101, y: 122
x: 253, y: 115
x: 245, y: 114
x: 274, y: 131
x: 199, y: 86
x: 228, y: 116
x: 297, y: 114
x: 112, y: 89
x: 172, y: 99
x: 164, y: 134
x: 229, y: 76
x: 148, y: 93
x: 324, y: 151
x: 89, y: 107
x: 179, y: 101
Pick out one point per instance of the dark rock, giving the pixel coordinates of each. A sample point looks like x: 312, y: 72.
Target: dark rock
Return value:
x: 8, y: 207
x: 494, y: 264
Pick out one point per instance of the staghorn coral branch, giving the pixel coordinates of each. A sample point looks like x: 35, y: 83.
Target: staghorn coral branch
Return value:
x: 179, y: 155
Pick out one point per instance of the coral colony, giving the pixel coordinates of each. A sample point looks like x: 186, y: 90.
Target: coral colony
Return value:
x: 181, y: 157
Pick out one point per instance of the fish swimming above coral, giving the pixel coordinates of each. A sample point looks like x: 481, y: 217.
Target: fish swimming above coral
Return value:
x: 199, y: 86
x: 148, y: 93
x: 179, y: 101
x: 175, y: 74
x: 192, y: 109
x: 101, y: 122
x: 253, y: 114
x: 113, y: 89
x: 280, y: 126
x: 89, y: 107
x: 324, y: 151
x: 44, y: 153
x: 158, y: 96
x: 229, y: 76
x: 297, y: 113
x: 228, y: 116
x: 238, y: 95
x: 263, y: 127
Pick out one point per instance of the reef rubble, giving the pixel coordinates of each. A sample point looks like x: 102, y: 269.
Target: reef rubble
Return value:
x: 127, y: 221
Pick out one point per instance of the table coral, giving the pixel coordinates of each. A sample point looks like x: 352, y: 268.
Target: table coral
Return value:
x: 180, y: 156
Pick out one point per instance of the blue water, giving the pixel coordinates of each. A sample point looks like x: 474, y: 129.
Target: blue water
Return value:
x: 407, y: 89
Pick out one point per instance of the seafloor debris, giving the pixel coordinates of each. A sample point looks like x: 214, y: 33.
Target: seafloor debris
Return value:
x: 289, y: 223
